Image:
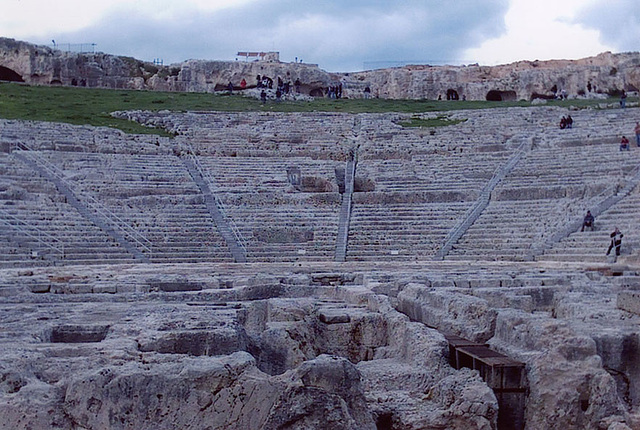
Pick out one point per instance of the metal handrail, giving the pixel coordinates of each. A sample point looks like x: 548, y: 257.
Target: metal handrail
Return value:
x: 346, y: 207
x: 476, y: 209
x: 7, y: 216
x: 96, y: 206
x: 210, y: 182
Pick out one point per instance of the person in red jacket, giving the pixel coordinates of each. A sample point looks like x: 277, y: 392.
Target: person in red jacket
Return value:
x: 624, y: 144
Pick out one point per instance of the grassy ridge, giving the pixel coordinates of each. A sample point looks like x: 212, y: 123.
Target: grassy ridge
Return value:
x: 91, y: 106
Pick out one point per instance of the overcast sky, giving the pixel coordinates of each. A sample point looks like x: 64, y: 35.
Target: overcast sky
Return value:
x: 339, y: 35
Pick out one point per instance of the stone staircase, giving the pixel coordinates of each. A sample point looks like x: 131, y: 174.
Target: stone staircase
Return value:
x: 41, y: 228
x: 590, y: 245
x: 427, y: 190
x: 552, y: 185
x: 400, y: 231
x: 89, y: 208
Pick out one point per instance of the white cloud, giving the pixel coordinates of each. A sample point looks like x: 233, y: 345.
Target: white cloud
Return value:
x: 41, y: 18
x: 542, y: 30
x: 338, y: 35
x: 618, y: 22
x: 32, y: 18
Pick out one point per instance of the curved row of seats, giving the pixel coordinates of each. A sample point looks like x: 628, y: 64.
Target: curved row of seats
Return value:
x: 413, y: 186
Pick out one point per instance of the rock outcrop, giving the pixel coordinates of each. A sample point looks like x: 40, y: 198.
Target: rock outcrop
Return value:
x: 605, y: 74
x: 341, y: 359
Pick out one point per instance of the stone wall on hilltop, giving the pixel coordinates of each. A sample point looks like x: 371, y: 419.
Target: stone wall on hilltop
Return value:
x: 592, y: 77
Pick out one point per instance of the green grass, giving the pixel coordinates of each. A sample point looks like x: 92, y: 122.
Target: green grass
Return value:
x: 92, y: 106
x: 439, y: 121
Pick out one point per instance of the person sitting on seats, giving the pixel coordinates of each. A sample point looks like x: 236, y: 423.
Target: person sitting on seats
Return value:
x: 569, y: 121
x: 588, y: 221
x: 624, y: 144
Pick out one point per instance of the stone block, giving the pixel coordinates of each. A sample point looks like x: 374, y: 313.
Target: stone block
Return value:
x: 105, y: 288
x: 629, y: 301
x: 336, y: 316
x: 127, y: 288
x: 40, y: 287
x: 467, y: 316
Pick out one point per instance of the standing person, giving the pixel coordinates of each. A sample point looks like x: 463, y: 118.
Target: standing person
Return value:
x: 263, y: 96
x: 616, y: 240
x: 588, y: 221
x: 623, y: 99
x: 637, y: 130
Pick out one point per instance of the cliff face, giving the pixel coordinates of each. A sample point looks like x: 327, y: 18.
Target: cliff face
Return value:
x: 606, y: 73
x: 41, y: 65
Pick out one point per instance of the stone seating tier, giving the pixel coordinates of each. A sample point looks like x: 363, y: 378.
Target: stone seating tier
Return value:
x: 412, y: 230
x: 592, y: 245
x: 141, y: 180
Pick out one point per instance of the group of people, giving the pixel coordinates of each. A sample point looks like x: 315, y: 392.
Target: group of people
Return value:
x: 616, y: 235
x: 282, y: 88
x: 334, y: 91
x: 566, y: 122
x: 264, y: 82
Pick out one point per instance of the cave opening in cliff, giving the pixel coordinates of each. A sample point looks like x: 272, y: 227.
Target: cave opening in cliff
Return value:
x: 501, y: 96
x: 7, y: 74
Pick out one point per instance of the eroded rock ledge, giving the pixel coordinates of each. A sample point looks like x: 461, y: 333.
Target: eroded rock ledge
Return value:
x: 605, y: 74
x: 307, y: 349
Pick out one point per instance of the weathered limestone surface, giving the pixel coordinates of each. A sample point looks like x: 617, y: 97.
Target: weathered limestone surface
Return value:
x: 520, y: 80
x: 281, y: 334
x: 629, y: 301
x: 467, y: 316
x: 572, y: 375
x: 606, y: 73
x: 184, y: 357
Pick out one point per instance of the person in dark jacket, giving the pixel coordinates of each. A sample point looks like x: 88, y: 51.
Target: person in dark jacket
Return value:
x: 616, y: 241
x: 588, y: 221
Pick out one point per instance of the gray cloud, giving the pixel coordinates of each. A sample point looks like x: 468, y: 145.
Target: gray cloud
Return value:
x: 337, y: 35
x: 618, y: 22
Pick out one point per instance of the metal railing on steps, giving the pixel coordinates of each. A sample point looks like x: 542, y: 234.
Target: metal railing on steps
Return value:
x: 224, y: 223
x: 482, y: 201
x: 43, y: 238
x: 346, y: 207
x: 88, y: 206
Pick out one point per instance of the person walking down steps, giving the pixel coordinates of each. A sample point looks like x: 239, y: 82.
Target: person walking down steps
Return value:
x: 616, y: 241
